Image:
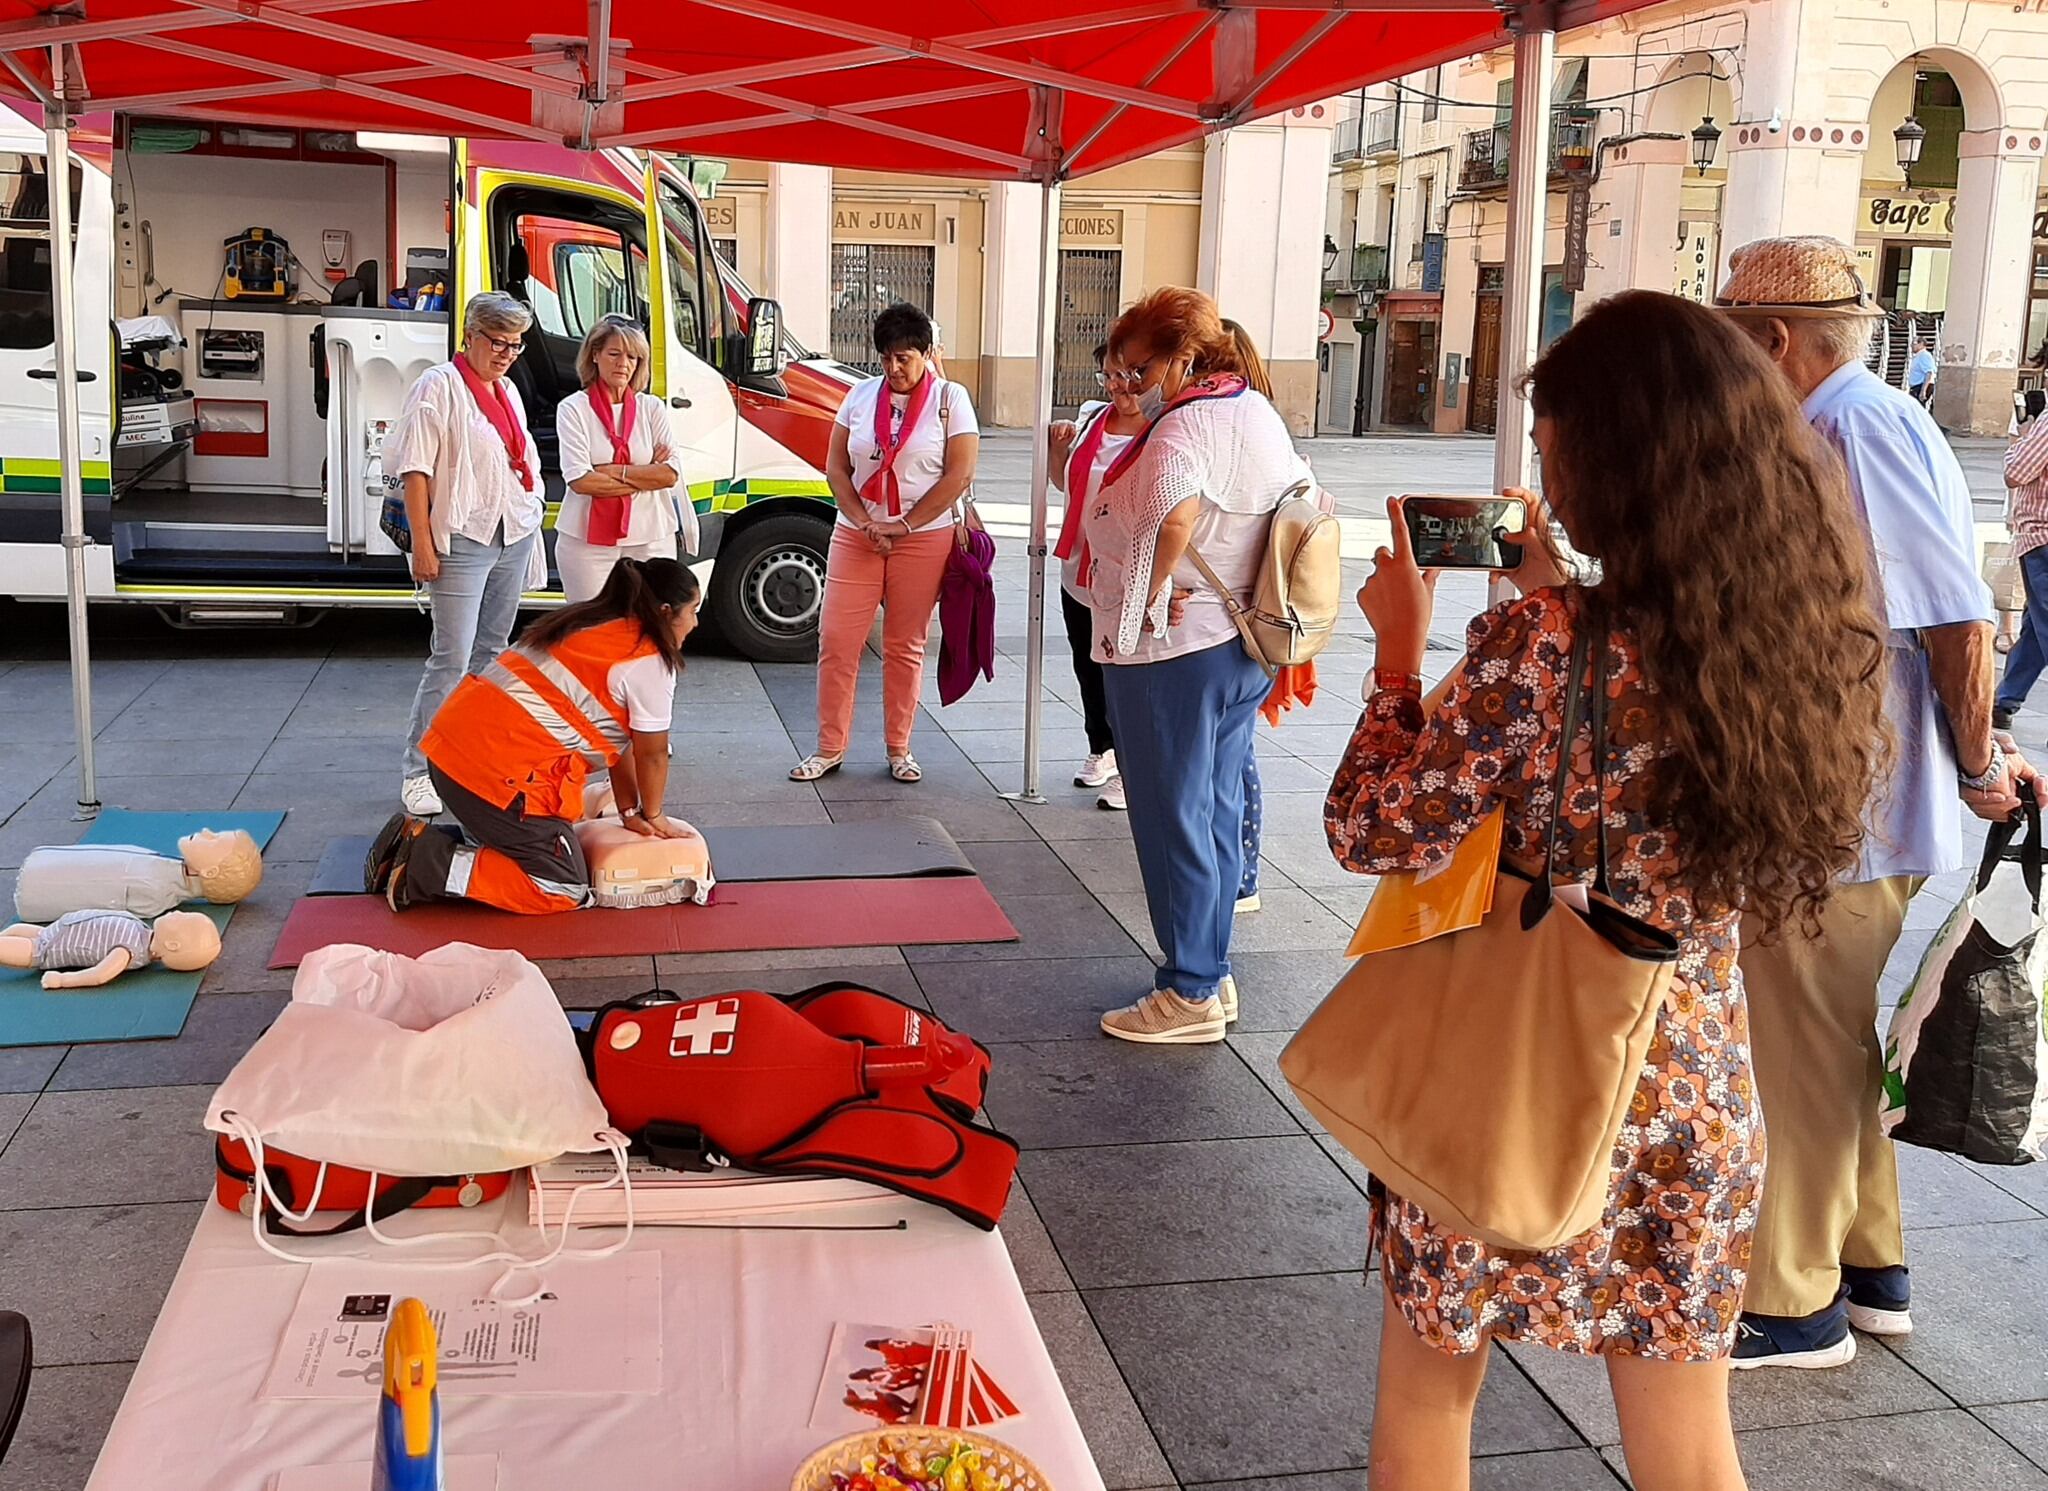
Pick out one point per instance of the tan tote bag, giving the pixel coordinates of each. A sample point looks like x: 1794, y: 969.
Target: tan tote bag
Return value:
x: 1485, y: 1074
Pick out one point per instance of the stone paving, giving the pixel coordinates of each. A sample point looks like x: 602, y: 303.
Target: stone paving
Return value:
x: 1190, y: 1239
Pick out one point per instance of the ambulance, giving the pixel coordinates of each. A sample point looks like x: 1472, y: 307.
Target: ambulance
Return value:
x: 254, y: 303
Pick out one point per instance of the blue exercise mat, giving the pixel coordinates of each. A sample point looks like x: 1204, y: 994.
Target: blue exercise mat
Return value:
x: 146, y: 1005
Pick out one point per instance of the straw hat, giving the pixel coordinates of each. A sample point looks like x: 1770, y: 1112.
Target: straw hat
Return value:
x: 1795, y: 277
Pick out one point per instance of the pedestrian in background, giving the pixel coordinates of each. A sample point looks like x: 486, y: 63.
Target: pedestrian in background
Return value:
x: 625, y: 497
x: 903, y: 453
x: 1183, y: 694
x: 2026, y: 519
x: 1697, y: 827
x: 1829, y: 1251
x: 1920, y: 372
x: 473, y: 499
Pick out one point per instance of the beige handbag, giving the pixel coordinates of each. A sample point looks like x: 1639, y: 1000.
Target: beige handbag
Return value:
x: 1486, y: 1074
x: 1299, y: 588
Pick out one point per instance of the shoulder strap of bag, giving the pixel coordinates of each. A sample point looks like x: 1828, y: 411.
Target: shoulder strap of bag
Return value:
x: 1536, y: 905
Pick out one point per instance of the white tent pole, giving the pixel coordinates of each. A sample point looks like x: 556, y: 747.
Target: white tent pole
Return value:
x: 71, y: 485
x: 1041, y: 477
x: 1528, y: 188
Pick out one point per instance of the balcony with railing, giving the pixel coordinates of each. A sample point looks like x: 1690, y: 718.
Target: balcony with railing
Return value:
x: 1344, y: 139
x: 1362, y: 268
x: 1382, y: 130
x: 1483, y: 165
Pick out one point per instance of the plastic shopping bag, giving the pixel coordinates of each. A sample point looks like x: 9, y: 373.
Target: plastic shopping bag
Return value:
x: 1966, y: 1063
x: 456, y: 1063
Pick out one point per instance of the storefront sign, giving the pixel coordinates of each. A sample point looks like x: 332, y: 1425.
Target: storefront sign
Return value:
x: 1578, y: 208
x: 1433, y: 263
x: 1699, y: 245
x: 2041, y: 221
x: 722, y: 217
x: 882, y: 222
x: 1906, y: 216
x: 1091, y: 227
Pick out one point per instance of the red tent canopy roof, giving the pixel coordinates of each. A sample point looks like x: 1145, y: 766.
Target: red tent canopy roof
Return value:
x: 1024, y: 89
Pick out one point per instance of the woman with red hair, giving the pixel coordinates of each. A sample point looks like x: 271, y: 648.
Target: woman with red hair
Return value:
x: 1183, y: 694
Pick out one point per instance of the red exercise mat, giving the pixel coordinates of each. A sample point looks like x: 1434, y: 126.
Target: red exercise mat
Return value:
x: 743, y: 918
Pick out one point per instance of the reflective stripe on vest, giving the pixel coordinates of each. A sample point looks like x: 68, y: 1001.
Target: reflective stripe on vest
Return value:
x: 573, y: 718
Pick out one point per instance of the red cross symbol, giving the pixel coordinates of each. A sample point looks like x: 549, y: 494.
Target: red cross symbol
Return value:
x: 707, y: 1028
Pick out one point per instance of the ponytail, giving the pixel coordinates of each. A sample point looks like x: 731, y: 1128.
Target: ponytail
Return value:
x: 639, y: 589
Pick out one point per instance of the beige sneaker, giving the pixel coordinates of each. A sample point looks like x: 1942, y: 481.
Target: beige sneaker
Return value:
x: 1227, y: 995
x: 1163, y: 1018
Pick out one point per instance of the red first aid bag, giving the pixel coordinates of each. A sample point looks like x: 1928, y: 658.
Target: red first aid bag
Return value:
x: 298, y: 1184
x: 839, y: 1080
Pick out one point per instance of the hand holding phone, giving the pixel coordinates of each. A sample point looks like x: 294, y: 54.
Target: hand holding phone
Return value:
x: 1466, y: 532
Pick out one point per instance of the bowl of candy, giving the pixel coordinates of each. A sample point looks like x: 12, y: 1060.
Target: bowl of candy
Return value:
x: 918, y: 1459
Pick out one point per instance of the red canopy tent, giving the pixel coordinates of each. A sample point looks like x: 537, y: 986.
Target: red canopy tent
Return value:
x: 1028, y: 90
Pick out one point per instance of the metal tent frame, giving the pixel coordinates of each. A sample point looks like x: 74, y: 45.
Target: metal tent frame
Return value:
x: 1131, y: 80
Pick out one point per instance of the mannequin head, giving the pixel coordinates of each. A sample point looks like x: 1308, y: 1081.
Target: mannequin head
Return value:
x: 227, y: 865
x: 185, y: 941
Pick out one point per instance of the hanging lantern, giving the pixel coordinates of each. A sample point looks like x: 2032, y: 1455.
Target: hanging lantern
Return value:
x: 1908, y: 140
x: 1705, y: 140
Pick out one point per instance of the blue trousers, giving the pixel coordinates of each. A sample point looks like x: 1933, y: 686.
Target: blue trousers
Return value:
x: 2029, y: 655
x: 475, y: 600
x: 1183, y: 737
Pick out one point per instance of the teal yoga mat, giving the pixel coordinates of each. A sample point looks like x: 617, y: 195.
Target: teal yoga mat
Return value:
x: 149, y: 1005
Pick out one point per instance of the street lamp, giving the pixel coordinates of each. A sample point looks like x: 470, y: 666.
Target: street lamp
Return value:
x: 1907, y: 140
x: 1329, y: 255
x: 1704, y: 141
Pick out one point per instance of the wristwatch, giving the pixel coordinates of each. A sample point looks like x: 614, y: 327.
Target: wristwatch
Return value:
x: 1385, y: 680
x: 1988, y: 778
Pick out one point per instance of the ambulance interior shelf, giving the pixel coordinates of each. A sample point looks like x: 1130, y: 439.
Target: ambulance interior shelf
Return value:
x: 156, y: 409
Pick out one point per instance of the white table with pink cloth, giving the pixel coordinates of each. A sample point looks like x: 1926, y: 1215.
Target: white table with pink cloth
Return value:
x: 747, y: 1318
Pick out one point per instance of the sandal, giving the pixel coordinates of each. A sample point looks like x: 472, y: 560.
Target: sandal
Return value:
x: 813, y: 767
x: 904, y: 768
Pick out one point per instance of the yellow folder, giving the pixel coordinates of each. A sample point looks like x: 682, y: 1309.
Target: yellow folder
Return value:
x: 1448, y: 897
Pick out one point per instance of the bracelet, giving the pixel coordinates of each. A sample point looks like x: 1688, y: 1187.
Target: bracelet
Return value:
x: 1985, y: 780
x: 1394, y: 680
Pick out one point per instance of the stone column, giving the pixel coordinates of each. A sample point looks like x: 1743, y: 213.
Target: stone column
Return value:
x: 797, y: 251
x: 1264, y: 191
x: 1806, y: 178
x: 1009, y: 304
x: 1989, y: 261
x: 1632, y: 242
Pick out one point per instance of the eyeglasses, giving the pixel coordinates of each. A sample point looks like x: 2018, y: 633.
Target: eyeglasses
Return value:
x: 1131, y: 378
x: 503, y: 348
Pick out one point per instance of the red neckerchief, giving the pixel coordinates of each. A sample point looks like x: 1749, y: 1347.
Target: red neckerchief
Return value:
x: 611, y: 516
x: 1216, y: 386
x: 1080, y: 466
x: 888, y: 447
x: 492, y: 402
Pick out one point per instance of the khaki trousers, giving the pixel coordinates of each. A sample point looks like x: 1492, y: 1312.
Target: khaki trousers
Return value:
x: 1831, y: 1183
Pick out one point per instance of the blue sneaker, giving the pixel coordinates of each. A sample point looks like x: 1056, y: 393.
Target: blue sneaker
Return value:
x: 1822, y: 1339
x: 1879, y: 1299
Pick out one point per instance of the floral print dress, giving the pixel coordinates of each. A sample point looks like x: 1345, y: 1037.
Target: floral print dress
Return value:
x: 1662, y: 1274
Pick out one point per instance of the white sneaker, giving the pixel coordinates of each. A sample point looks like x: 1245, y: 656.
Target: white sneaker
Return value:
x: 1096, y: 770
x: 419, y: 798
x: 1112, y: 799
x: 1163, y: 1018
x: 1226, y: 994
x: 1247, y: 904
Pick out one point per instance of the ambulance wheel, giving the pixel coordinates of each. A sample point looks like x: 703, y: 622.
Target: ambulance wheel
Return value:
x: 768, y: 587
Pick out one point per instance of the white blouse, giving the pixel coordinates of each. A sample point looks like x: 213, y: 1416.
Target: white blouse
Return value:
x: 585, y: 446
x: 1105, y: 456
x: 443, y: 434
x: 1237, y: 457
x: 922, y: 460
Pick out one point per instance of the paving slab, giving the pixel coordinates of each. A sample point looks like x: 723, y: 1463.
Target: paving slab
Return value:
x: 1032, y: 1253
x: 1031, y: 999
x: 1278, y: 991
x: 63, y: 1424
x: 1022, y: 867
x: 1938, y: 1190
x: 1224, y: 1209
x: 2024, y: 1426
x: 1980, y: 1295
x: 1535, y: 1470
x: 219, y: 1029
x: 14, y: 1108
x: 105, y: 1148
x: 94, y: 1276
x: 1119, y: 1439
x: 1067, y: 1094
x: 1062, y: 926
x: 28, y: 1068
x: 1948, y: 1451
x: 1297, y: 1356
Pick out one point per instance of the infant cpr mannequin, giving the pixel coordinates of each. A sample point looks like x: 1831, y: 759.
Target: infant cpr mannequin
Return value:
x: 630, y: 869
x: 85, y: 949
x: 218, y: 867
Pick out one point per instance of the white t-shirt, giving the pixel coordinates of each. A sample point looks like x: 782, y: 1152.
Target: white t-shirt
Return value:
x: 1105, y: 456
x: 646, y: 690
x: 922, y: 461
x: 653, y: 516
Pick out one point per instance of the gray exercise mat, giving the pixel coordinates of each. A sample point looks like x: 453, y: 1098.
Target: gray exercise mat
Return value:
x: 885, y: 849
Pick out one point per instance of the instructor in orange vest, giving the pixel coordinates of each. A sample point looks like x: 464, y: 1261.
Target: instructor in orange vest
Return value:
x: 591, y: 687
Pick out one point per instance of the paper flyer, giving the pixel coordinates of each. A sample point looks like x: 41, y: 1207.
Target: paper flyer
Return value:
x: 887, y: 1375
x: 596, y: 1328
x: 459, y: 1473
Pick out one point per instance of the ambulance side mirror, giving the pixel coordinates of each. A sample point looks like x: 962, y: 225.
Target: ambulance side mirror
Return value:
x: 765, y: 356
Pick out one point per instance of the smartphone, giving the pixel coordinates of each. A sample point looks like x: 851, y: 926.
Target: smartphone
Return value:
x: 1465, y: 532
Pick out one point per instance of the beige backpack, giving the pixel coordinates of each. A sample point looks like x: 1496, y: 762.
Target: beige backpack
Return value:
x: 1299, y: 588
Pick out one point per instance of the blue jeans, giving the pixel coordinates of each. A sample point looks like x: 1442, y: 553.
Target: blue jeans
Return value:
x: 475, y: 600
x: 1183, y: 736
x: 2029, y: 655
x: 1254, y: 824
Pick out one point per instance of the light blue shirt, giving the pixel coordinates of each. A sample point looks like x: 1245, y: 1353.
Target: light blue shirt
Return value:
x: 1920, y: 369
x: 1915, y: 507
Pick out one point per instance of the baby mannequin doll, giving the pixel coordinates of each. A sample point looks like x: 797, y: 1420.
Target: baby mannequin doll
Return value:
x: 84, y: 949
x: 221, y: 867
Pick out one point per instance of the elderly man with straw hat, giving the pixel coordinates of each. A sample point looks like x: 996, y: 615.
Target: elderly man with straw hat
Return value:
x: 1829, y: 1253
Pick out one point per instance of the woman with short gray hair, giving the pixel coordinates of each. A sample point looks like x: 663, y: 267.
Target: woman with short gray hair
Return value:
x: 618, y: 459
x: 473, y: 500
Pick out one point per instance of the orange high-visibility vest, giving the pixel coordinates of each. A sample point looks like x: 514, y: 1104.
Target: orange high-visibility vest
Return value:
x: 538, y: 720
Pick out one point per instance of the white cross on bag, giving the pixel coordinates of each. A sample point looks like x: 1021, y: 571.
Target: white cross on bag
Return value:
x: 707, y: 1028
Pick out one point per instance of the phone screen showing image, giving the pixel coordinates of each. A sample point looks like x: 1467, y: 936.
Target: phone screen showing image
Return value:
x: 1465, y: 532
